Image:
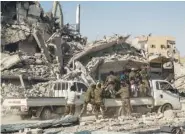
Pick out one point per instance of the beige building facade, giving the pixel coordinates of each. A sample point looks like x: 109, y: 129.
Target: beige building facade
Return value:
x: 159, y: 45
x: 160, y: 51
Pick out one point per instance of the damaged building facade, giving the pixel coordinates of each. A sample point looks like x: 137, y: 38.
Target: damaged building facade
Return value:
x: 37, y: 48
x: 161, y: 53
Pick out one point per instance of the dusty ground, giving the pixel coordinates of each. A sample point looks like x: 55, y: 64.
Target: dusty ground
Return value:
x: 142, y: 123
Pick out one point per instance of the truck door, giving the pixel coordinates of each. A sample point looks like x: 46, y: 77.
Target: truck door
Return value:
x: 168, y: 94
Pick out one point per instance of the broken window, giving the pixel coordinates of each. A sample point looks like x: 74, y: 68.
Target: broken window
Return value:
x: 162, y: 46
x: 152, y: 46
x: 167, y: 87
x: 168, y: 46
x: 11, y: 47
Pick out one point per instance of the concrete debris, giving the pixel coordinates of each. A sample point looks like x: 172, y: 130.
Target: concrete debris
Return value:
x: 169, y: 114
x: 9, y: 61
x: 15, y: 33
x: 99, y: 45
x: 151, y: 122
x: 41, y: 49
x: 179, y: 76
x: 79, y: 74
x: 36, y: 90
x: 32, y: 66
x: 64, y: 121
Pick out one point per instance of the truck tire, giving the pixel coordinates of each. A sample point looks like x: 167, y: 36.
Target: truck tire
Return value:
x: 166, y: 107
x: 26, y: 117
x: 45, y: 114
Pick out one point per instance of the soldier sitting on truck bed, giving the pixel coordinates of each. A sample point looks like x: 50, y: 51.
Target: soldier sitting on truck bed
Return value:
x: 71, y: 99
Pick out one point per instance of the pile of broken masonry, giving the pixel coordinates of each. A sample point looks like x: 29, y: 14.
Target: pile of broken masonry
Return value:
x: 79, y: 59
x: 150, y: 123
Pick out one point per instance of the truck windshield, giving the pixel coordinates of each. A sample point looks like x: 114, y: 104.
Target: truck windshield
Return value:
x: 167, y: 87
x: 81, y: 87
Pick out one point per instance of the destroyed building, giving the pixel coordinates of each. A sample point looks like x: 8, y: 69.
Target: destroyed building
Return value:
x: 112, y: 53
x: 38, y: 47
x: 35, y: 45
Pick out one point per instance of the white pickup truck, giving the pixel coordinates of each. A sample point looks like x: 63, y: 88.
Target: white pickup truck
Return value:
x: 163, y: 97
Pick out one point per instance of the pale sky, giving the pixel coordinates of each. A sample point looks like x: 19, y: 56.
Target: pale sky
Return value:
x: 135, y: 18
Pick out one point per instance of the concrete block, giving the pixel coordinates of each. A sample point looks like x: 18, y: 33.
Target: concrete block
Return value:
x: 169, y: 114
x: 34, y: 10
x: 37, y: 131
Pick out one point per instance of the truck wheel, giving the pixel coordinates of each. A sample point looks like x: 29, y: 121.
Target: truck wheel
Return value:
x: 45, y: 114
x: 166, y: 107
x: 26, y: 117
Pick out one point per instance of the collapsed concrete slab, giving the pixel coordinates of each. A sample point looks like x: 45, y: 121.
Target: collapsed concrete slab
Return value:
x: 99, y: 45
x: 7, y: 61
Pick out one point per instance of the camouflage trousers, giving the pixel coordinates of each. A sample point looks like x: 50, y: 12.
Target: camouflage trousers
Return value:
x: 146, y: 82
x: 110, y: 91
x: 70, y: 109
x: 97, y: 107
x: 126, y: 107
x: 84, y: 108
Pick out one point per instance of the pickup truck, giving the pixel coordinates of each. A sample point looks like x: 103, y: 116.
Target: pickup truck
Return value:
x: 163, y: 97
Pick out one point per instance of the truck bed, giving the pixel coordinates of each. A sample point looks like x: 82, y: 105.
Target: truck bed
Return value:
x: 60, y: 101
x: 134, y: 101
x: 38, y: 101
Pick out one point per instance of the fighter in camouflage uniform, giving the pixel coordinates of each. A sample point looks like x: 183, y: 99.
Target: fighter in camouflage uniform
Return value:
x: 132, y: 74
x: 145, y: 77
x: 111, y: 83
x: 89, y: 98
x: 142, y: 89
x: 125, y: 97
x: 98, y: 99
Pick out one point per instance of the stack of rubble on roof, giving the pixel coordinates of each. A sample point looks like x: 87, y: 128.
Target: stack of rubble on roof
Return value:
x: 106, y: 51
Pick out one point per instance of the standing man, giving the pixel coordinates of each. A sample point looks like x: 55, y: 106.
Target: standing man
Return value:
x: 111, y: 83
x: 145, y: 77
x: 98, y: 99
x: 125, y: 97
x: 142, y: 89
x: 89, y: 98
x: 71, y: 99
x: 132, y: 75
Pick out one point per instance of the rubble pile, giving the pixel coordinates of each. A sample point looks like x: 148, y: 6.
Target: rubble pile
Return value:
x: 132, y: 124
x: 32, y: 66
x: 35, y: 44
x: 110, y: 58
x: 180, y: 76
x: 110, y: 49
x: 37, y: 90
